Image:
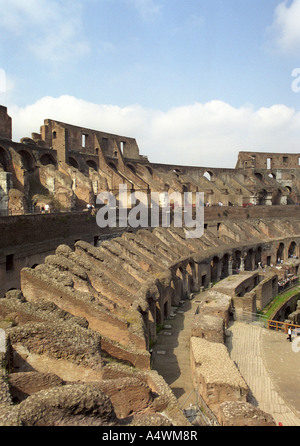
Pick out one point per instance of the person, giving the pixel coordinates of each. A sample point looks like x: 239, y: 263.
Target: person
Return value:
x: 42, y: 210
x: 47, y: 208
x: 90, y: 207
x: 289, y: 338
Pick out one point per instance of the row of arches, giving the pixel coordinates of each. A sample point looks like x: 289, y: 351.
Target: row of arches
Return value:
x: 286, y: 250
x: 28, y: 160
x: 189, y: 276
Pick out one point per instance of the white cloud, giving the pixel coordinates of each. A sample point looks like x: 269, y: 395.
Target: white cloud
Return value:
x: 147, y: 8
x: 285, y: 27
x: 50, y: 29
x: 209, y: 134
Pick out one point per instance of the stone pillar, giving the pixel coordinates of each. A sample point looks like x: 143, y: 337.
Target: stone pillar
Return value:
x: 242, y: 267
x: 230, y: 266
x: 5, y: 186
x: 268, y: 201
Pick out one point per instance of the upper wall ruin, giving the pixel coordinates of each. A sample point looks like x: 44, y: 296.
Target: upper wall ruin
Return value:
x: 67, y: 166
x: 265, y: 160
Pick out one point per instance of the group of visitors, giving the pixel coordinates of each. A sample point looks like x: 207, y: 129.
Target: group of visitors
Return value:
x: 286, y: 282
x: 208, y: 204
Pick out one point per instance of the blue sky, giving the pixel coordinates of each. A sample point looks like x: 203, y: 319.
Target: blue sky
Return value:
x: 194, y: 81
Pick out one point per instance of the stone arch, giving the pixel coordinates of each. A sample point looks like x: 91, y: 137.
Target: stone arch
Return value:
x: 149, y: 170
x: 209, y: 175
x: 248, y: 261
x: 183, y: 285
x: 225, y: 266
x: 47, y: 159
x: 277, y: 197
x: 287, y: 312
x: 257, y: 256
x: 73, y: 163
x: 113, y: 167
x: 262, y: 197
x: 292, y: 251
x: 132, y: 168
x: 214, y: 268
x: 92, y: 164
x: 191, y: 275
x: 236, y: 260
x: 280, y: 253
x: 4, y: 160
x: 27, y: 159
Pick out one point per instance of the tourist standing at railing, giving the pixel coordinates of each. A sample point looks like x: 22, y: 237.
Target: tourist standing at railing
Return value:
x: 289, y: 338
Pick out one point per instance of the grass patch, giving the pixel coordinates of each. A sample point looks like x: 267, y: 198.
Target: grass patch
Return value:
x: 270, y: 309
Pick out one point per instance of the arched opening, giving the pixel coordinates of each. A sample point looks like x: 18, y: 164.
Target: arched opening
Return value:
x: 47, y: 159
x: 287, y: 312
x: 258, y: 256
x: 292, y: 250
x: 262, y: 197
x: 149, y: 170
x: 249, y: 260
x: 279, y: 253
x: 277, y: 197
x: 73, y: 163
x: 183, y: 286
x: 259, y: 176
x: 113, y: 166
x: 27, y: 160
x: 225, y: 266
x: 92, y: 164
x: 214, y: 269
x: 131, y: 168
x: 208, y: 175
x: 3, y: 160
x: 236, y: 261
x: 191, y: 271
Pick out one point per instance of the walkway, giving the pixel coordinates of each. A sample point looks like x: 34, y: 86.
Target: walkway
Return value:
x: 265, y: 359
x: 270, y: 368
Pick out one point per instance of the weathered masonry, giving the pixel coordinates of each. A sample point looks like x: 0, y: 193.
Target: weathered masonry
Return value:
x: 113, y: 296
x: 80, y: 306
x: 67, y: 166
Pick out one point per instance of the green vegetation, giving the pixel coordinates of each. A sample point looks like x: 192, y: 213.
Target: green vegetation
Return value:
x: 270, y: 309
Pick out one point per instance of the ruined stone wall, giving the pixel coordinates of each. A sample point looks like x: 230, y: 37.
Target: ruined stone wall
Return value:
x: 5, y: 123
x: 118, y: 292
x: 79, y: 139
x: 265, y: 160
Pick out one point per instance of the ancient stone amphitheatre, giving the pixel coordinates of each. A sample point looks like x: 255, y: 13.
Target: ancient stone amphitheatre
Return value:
x: 82, y: 307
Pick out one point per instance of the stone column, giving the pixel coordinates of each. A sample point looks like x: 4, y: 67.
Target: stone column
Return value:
x: 5, y: 186
x: 242, y: 267
x: 230, y: 266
